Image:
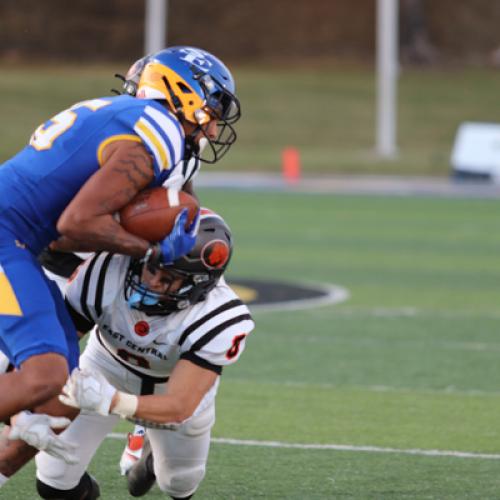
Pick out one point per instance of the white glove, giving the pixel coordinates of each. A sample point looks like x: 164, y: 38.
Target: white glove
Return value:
x: 36, y: 430
x: 88, y: 391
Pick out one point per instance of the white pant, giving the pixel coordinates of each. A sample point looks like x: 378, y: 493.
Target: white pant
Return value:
x: 179, y: 456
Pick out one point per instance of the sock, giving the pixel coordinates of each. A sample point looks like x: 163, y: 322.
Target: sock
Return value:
x: 138, y: 429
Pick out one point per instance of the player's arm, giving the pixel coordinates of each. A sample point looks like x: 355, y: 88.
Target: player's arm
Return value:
x: 87, y: 223
x: 66, y: 244
x: 186, y: 387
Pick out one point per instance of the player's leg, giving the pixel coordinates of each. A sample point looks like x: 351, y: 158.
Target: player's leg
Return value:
x: 30, y: 333
x: 56, y: 478
x: 15, y: 454
x: 178, y: 458
x: 39, y: 378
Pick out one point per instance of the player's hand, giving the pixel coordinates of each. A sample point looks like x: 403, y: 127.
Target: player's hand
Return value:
x: 181, y: 240
x: 36, y: 430
x: 88, y: 391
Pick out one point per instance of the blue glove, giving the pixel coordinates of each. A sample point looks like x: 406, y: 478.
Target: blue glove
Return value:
x: 180, y: 241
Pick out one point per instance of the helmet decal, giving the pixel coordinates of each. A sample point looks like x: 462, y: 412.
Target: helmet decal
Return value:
x: 215, y: 254
x: 195, y: 57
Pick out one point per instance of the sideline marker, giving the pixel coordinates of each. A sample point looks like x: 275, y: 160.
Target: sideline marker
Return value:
x: 290, y: 161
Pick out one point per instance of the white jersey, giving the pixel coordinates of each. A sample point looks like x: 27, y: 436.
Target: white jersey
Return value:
x: 211, y: 333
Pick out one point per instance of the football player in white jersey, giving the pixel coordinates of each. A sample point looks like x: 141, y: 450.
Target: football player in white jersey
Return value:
x: 162, y: 338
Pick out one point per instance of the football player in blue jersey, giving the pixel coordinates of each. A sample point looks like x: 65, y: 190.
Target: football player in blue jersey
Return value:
x: 80, y: 168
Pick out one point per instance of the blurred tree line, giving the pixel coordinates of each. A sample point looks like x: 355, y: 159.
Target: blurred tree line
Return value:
x: 432, y: 31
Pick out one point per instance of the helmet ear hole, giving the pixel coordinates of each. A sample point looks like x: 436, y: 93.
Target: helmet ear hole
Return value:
x: 184, y: 88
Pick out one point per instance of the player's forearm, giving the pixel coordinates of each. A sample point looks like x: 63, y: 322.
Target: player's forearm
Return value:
x: 159, y: 409
x: 65, y: 244
x: 13, y: 454
x: 100, y: 233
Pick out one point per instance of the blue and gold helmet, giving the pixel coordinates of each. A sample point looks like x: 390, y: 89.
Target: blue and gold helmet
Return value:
x: 198, y: 88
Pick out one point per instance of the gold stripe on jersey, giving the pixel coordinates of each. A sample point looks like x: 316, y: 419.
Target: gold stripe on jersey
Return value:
x: 113, y: 138
x: 8, y: 301
x: 149, y: 135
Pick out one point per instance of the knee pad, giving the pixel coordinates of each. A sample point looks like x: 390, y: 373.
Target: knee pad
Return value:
x: 182, y: 483
x: 53, y: 471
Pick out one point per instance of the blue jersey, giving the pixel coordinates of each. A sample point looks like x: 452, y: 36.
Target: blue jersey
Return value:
x: 39, y: 182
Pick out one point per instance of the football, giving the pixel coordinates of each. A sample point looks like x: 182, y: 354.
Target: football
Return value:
x: 151, y: 214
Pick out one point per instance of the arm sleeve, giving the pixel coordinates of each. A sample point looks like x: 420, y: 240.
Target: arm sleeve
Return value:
x: 219, y: 336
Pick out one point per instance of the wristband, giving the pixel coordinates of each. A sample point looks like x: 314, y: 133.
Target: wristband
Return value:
x: 149, y: 253
x: 126, y: 404
x: 152, y: 256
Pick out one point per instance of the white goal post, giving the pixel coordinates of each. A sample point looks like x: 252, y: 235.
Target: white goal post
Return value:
x: 387, y: 65
x: 155, y: 25
x: 387, y: 30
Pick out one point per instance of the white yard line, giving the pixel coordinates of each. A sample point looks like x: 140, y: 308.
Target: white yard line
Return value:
x: 449, y: 390
x: 343, y: 447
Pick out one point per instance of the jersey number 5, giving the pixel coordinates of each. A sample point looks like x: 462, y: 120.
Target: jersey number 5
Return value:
x: 48, y: 132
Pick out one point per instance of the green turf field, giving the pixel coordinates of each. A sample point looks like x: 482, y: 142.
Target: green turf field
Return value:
x: 409, y: 362
x: 326, y: 111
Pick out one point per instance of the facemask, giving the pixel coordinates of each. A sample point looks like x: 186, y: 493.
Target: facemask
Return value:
x: 143, y: 296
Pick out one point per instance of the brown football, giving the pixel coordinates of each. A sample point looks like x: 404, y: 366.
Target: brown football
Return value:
x: 151, y: 214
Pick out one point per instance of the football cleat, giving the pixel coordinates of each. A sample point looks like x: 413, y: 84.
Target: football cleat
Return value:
x: 132, y: 452
x: 93, y: 491
x: 141, y: 477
